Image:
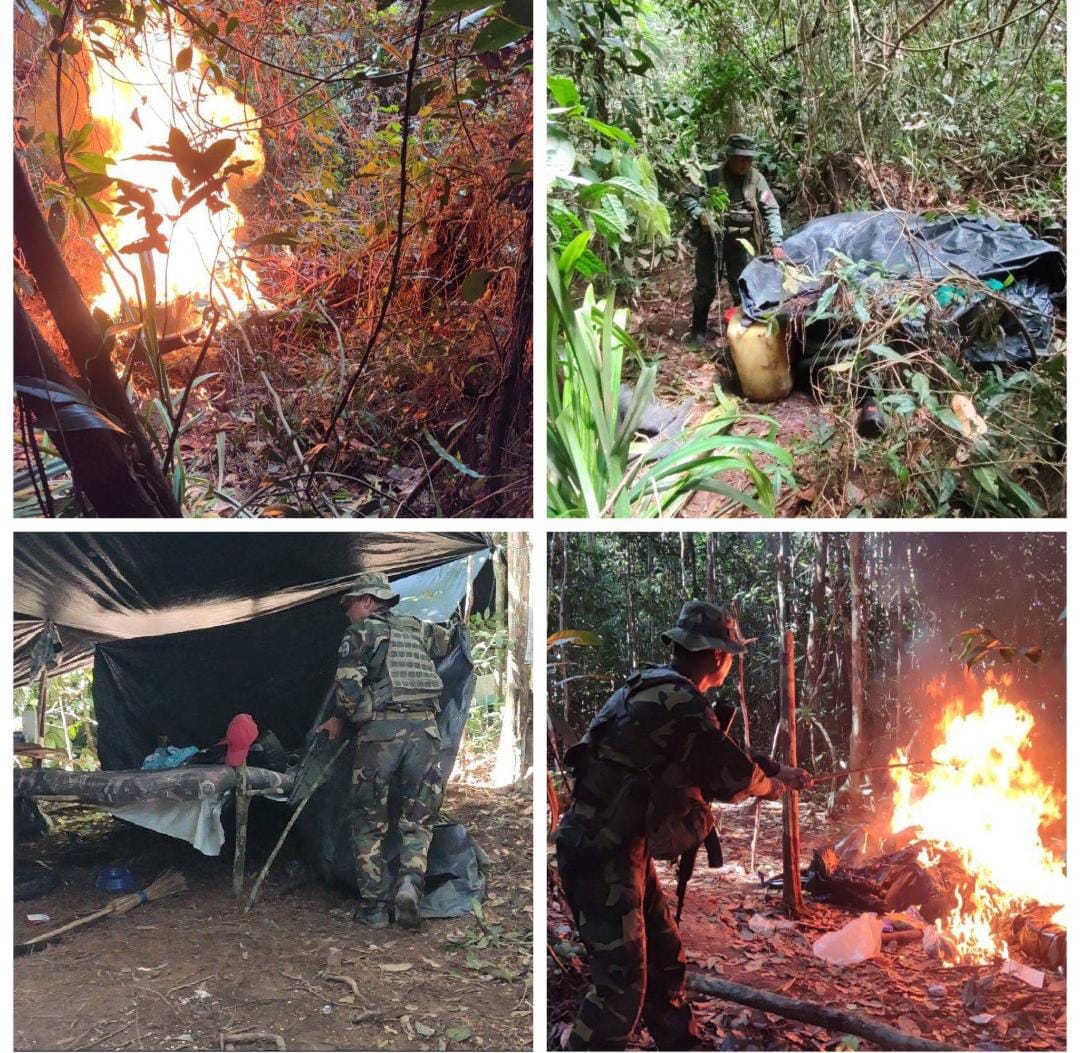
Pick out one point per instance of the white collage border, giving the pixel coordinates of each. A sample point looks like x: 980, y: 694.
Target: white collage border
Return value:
x: 538, y: 526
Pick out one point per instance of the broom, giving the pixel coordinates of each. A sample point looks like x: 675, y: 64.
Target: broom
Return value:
x: 166, y: 884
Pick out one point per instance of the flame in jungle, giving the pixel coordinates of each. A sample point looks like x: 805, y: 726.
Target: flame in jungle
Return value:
x: 158, y: 84
x: 984, y: 801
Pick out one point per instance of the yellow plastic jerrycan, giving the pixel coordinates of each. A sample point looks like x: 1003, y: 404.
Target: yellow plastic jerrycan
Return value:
x: 761, y: 359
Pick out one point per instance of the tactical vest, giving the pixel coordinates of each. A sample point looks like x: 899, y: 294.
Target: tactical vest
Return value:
x: 614, y: 712
x: 744, y: 221
x: 407, y: 673
x: 621, y: 791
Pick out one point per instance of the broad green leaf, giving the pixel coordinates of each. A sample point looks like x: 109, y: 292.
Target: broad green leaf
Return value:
x: 497, y: 34
x: 475, y: 285
x: 564, y: 91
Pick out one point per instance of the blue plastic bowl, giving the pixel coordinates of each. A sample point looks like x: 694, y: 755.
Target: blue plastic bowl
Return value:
x: 115, y: 879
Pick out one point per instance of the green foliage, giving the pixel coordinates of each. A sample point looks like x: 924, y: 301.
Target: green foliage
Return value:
x: 596, y: 467
x: 73, y: 693
x: 960, y: 440
x: 600, y: 181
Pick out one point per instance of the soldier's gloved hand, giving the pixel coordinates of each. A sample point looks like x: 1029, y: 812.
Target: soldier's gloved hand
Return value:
x: 332, y: 726
x: 776, y: 790
x: 796, y: 778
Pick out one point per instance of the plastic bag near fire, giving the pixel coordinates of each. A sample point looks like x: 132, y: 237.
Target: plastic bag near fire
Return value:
x: 855, y: 942
x: 900, y: 248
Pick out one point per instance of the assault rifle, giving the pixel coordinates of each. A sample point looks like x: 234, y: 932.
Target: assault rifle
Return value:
x: 686, y: 867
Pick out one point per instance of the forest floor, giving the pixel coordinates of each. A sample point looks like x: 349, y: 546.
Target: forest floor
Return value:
x: 892, y: 988
x: 181, y: 972
x: 688, y: 374
x: 258, y: 416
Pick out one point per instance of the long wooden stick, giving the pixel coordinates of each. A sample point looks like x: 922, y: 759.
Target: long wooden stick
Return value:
x: 289, y: 825
x: 812, y: 1013
x: 52, y: 933
x: 792, y: 882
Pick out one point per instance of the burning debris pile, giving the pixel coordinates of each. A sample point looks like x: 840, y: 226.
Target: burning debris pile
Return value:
x: 965, y: 853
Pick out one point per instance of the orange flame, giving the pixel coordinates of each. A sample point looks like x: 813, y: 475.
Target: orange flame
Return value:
x: 135, y: 98
x: 985, y: 801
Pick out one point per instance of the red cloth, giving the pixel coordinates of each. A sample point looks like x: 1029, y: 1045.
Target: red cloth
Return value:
x: 730, y: 313
x: 239, y: 736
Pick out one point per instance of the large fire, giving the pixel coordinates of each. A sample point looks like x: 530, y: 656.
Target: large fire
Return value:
x: 984, y: 801
x: 157, y: 89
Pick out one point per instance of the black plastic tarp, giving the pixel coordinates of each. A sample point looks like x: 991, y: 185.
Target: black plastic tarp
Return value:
x: 97, y: 586
x: 898, y: 246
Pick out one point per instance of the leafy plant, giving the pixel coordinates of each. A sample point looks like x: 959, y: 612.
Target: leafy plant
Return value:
x: 596, y: 465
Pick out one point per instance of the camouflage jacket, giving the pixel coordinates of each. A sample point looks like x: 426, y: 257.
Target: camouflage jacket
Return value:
x: 652, y: 757
x: 749, y: 196
x: 388, y: 660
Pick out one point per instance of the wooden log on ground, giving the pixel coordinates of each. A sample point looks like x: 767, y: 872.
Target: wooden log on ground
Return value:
x: 81, y: 333
x: 793, y: 898
x: 811, y: 1013
x: 791, y: 1008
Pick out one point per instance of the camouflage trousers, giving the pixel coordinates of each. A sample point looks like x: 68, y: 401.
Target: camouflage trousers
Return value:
x: 396, y: 782
x: 635, y: 953
x: 735, y: 259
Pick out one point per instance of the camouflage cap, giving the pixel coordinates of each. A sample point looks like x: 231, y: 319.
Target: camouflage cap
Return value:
x: 705, y: 627
x: 741, y: 146
x: 372, y: 584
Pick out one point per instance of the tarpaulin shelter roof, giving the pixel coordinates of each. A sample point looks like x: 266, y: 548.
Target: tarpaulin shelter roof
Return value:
x: 186, y: 629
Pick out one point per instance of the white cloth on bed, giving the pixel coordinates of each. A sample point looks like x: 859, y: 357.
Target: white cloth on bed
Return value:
x: 197, y: 822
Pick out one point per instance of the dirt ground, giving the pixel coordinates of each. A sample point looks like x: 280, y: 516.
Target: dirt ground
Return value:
x: 180, y: 972
x: 893, y: 988
x: 662, y: 319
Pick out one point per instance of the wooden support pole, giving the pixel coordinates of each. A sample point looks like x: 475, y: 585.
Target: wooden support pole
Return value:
x: 243, y: 802
x: 793, y: 900
x: 42, y: 703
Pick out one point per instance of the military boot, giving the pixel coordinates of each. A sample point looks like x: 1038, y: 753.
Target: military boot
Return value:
x: 407, y: 905
x: 699, y: 327
x: 374, y: 915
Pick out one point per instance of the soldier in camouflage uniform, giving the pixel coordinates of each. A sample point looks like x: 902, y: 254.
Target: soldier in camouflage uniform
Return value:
x: 752, y: 215
x: 388, y: 691
x: 651, y: 759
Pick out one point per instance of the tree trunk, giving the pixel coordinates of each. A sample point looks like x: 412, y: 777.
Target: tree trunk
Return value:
x: 82, y: 335
x: 710, y: 567
x: 793, y: 899
x: 564, y: 555
x: 515, y: 734
x: 857, y: 754
x: 499, y: 559
x: 99, y: 458
x: 815, y: 633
